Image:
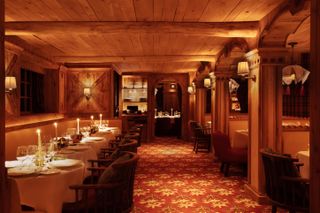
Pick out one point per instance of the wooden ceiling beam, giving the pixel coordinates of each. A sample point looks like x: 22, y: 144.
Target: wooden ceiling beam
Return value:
x: 217, y: 29
x: 186, y: 70
x: 130, y: 59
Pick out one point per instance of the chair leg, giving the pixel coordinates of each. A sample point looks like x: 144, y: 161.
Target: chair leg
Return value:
x: 274, y: 209
x: 221, y: 167
x: 226, y: 169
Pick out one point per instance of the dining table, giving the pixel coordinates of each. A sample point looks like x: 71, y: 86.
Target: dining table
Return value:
x: 79, y: 152
x: 47, y: 189
x: 240, y: 139
x: 304, y: 157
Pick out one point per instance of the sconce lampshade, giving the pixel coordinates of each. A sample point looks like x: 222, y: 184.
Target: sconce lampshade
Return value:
x: 243, y: 68
x: 87, y: 92
x: 207, y: 82
x: 10, y: 83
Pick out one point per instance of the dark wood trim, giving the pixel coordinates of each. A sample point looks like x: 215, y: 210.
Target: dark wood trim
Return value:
x: 4, y: 199
x: 315, y: 108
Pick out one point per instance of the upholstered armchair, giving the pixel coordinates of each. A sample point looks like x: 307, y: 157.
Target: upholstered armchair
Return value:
x: 226, y: 154
x: 113, y: 191
x: 124, y: 145
x: 284, y: 185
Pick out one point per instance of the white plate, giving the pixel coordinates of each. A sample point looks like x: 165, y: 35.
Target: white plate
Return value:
x: 95, y: 138
x: 21, y: 171
x: 64, y: 163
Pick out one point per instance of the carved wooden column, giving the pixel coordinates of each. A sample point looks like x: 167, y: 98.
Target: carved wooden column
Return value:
x: 315, y: 108
x: 265, y: 111
x: 222, y: 99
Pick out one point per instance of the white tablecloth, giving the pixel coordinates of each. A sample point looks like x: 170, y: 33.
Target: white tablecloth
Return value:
x: 304, y: 157
x: 83, y: 155
x: 240, y: 139
x: 95, y: 142
x: 48, y: 192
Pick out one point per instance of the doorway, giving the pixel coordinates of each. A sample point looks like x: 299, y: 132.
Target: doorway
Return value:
x: 168, y: 99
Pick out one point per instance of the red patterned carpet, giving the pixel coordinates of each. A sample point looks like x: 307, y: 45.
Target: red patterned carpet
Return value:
x: 172, y: 178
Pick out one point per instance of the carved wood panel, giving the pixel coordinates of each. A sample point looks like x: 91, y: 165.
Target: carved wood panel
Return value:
x: 99, y: 83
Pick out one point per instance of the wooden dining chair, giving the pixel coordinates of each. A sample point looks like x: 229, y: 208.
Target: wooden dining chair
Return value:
x: 284, y: 185
x: 202, y: 139
x: 113, y: 191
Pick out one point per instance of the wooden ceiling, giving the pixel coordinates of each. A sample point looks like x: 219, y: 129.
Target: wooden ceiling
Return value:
x: 133, y: 35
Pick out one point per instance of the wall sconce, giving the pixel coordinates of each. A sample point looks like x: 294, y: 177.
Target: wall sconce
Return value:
x: 210, y: 82
x: 10, y: 83
x: 244, y: 71
x: 87, y: 92
x: 207, y: 82
x: 192, y: 88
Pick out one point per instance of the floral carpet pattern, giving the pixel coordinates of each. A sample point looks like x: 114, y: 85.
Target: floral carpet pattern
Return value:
x: 171, y: 178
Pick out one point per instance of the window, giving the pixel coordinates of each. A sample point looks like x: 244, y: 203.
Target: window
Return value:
x: 31, y: 93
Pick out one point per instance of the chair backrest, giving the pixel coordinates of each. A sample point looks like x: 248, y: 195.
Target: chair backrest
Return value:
x: 221, y: 144
x: 123, y: 172
x: 130, y: 146
x: 288, y: 193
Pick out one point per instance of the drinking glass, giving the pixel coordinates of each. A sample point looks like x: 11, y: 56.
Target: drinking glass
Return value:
x: 31, y: 151
x: 21, y: 154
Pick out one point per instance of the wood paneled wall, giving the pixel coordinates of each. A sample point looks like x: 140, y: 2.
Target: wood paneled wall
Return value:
x: 99, y: 81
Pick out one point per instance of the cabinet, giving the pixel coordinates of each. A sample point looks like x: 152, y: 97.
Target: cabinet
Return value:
x: 134, y: 94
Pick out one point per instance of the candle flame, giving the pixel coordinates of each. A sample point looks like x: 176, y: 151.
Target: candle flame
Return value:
x: 92, y: 117
x: 38, y: 130
x: 78, y: 119
x: 55, y: 124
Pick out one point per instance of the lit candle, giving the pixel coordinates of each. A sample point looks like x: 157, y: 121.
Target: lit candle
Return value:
x: 171, y: 112
x: 100, y: 119
x: 78, y: 126
x: 39, y: 137
x: 91, y: 118
x: 55, y: 124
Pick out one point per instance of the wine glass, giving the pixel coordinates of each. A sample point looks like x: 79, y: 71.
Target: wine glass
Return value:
x: 21, y: 154
x: 51, y: 150
x: 31, y: 151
